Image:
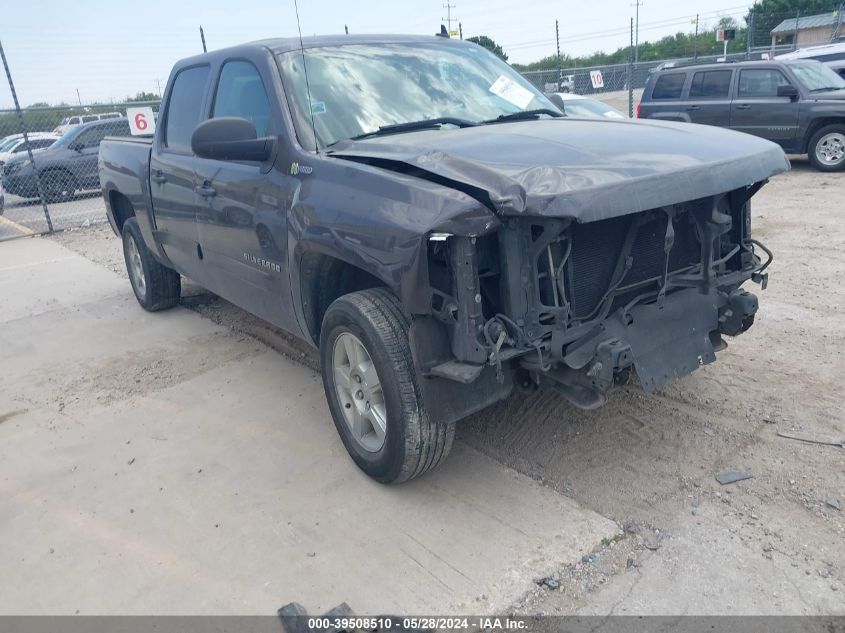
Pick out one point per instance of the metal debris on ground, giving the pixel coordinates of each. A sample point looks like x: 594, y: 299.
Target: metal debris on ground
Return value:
x: 732, y: 476
x: 295, y: 618
x: 833, y: 502
x: 814, y: 438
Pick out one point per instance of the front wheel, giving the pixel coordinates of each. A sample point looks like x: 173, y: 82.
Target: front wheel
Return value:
x: 827, y: 148
x: 372, y: 390
x: 58, y: 186
x: 156, y: 286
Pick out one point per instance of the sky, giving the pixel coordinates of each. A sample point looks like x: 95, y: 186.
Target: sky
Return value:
x: 109, y: 50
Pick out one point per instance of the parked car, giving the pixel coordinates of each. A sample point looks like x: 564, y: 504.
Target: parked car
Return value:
x: 583, y: 107
x: 16, y: 144
x: 440, y: 247
x: 67, y: 166
x: 800, y: 105
x: 834, y: 51
x: 80, y: 119
x: 566, y: 83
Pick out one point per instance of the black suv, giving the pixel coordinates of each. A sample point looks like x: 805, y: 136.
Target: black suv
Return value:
x: 800, y: 105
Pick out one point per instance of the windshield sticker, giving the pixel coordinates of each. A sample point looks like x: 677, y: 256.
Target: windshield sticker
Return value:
x: 512, y: 92
x: 318, y: 107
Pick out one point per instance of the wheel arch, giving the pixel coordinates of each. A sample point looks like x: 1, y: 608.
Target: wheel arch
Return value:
x: 322, y: 279
x: 815, y: 126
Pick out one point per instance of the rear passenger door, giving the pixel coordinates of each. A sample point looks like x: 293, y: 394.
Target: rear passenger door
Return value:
x: 665, y: 102
x: 758, y: 110
x: 242, y: 217
x: 709, y: 98
x: 172, y: 175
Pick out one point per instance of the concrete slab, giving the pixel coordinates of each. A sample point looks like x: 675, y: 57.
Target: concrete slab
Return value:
x: 159, y: 464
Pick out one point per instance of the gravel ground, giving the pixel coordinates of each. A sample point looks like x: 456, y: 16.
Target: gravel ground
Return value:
x: 771, y: 544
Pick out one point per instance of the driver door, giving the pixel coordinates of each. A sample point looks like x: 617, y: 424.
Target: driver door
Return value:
x: 243, y: 207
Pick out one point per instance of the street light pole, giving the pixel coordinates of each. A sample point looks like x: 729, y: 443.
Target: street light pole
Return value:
x: 637, y: 4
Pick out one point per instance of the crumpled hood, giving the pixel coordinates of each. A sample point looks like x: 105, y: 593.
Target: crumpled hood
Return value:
x: 585, y: 169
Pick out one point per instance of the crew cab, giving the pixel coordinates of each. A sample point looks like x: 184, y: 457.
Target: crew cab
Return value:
x: 425, y: 217
x: 798, y: 104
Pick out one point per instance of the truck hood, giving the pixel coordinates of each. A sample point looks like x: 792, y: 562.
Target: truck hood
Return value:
x: 829, y: 95
x: 585, y: 169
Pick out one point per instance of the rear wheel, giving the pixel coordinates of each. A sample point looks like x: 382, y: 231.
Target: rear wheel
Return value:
x: 156, y: 286
x: 372, y: 389
x: 827, y: 148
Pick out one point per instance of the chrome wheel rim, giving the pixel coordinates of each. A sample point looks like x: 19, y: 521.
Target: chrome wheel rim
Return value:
x: 830, y: 150
x: 136, y: 269
x: 359, y: 392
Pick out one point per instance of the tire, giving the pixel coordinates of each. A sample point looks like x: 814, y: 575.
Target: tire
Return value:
x: 412, y: 442
x: 156, y: 287
x: 826, y: 149
x: 58, y: 186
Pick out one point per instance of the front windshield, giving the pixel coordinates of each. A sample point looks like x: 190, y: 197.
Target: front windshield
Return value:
x: 817, y: 76
x: 9, y: 144
x: 358, y: 88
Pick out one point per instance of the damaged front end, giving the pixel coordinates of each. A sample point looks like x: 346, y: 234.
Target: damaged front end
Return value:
x: 552, y: 302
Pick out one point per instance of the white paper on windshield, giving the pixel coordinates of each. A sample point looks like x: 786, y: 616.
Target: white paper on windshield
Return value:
x: 512, y: 92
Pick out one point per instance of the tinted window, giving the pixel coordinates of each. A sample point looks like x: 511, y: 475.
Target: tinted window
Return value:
x: 669, y: 86
x: 712, y: 84
x: 92, y: 137
x: 89, y: 118
x: 760, y: 82
x: 184, y: 107
x: 240, y: 92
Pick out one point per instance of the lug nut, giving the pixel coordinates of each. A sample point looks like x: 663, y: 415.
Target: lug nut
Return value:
x: 359, y: 394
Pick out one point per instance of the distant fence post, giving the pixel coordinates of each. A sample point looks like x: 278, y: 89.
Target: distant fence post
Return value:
x: 22, y: 123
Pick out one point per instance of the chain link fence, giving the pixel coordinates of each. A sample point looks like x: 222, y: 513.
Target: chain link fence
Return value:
x: 48, y: 165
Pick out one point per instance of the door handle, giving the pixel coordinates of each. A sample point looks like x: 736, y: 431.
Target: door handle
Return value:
x: 158, y: 177
x: 743, y: 106
x: 206, y: 190
x: 693, y: 107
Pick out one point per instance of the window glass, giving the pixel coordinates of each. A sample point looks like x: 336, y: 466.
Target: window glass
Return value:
x: 185, y: 107
x: 42, y: 143
x: 816, y: 76
x: 711, y: 84
x: 669, y: 86
x: 357, y: 88
x: 89, y: 118
x: 90, y: 137
x: 760, y: 82
x: 241, y: 93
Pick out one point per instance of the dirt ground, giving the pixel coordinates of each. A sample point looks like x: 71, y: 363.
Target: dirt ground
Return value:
x: 772, y: 544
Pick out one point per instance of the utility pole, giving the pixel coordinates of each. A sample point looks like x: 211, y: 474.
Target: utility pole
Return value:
x: 346, y: 28
x: 448, y: 19
x: 461, y: 30
x: 637, y: 4
x: 631, y: 74
x: 158, y: 83
x: 695, y: 41
x: 202, y: 37
x: 559, y: 71
x: 78, y: 98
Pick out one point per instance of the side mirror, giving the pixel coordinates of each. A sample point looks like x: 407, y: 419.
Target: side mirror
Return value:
x: 230, y: 138
x: 788, y: 91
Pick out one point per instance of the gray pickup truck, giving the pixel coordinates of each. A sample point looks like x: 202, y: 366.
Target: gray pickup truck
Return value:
x: 798, y: 104
x: 419, y: 212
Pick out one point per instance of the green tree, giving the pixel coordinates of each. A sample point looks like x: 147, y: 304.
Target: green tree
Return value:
x: 143, y: 96
x: 490, y: 45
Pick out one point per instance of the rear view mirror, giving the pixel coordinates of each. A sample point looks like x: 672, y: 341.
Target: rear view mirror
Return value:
x: 230, y: 138
x: 788, y: 91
